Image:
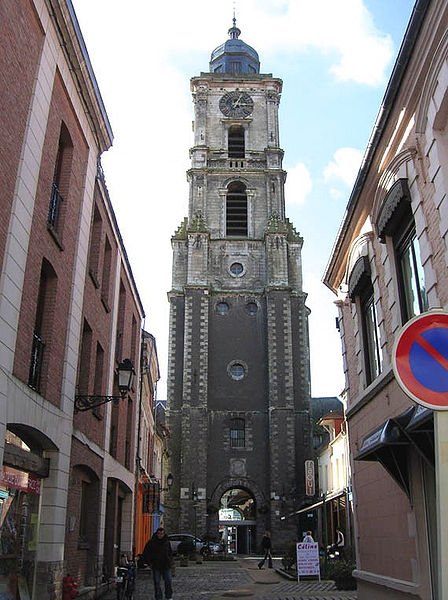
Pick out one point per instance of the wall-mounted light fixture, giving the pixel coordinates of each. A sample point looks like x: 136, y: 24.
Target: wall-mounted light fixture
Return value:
x: 169, y: 483
x: 125, y: 372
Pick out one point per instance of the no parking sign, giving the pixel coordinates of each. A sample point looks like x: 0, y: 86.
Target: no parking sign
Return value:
x: 420, y: 359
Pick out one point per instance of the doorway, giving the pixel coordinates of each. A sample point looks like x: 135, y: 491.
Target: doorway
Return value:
x: 237, y: 521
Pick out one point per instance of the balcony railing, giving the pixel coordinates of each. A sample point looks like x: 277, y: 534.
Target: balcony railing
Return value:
x: 54, y: 210
x: 37, y: 353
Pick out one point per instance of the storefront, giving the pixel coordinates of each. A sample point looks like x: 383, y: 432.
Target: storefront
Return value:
x: 19, y: 519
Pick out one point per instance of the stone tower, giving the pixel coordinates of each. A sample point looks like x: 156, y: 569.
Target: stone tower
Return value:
x: 238, y: 374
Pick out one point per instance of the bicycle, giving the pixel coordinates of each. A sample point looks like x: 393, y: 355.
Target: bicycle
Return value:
x: 125, y: 581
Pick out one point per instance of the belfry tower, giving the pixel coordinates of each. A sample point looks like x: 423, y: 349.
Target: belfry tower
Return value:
x: 238, y: 373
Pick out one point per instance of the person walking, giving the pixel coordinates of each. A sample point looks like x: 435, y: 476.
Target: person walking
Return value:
x: 266, y: 548
x: 159, y: 556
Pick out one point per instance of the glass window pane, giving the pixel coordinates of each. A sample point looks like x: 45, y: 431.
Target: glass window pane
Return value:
x: 372, y: 349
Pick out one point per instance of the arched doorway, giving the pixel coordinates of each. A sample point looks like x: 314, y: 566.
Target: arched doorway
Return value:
x: 237, y: 519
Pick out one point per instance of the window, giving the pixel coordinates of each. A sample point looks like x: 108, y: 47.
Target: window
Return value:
x: 95, y: 242
x: 361, y: 291
x: 61, y: 179
x: 396, y: 221
x: 235, y: 67
x: 222, y: 308
x: 105, y: 283
x: 252, y: 308
x: 411, y: 281
x: 236, y: 370
x: 371, y: 336
x: 84, y: 511
x: 236, y: 210
x: 237, y: 433
x: 236, y: 269
x: 84, y: 368
x: 236, y: 147
x: 42, y: 324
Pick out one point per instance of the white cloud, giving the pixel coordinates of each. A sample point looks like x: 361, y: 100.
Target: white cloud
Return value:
x: 327, y: 375
x: 143, y: 55
x: 344, y: 166
x: 298, y: 184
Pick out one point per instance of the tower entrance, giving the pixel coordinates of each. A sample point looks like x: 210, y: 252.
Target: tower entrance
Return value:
x: 237, y: 512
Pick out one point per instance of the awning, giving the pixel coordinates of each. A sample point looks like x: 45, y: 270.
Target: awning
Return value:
x: 420, y: 430
x: 316, y: 505
x: 388, y: 445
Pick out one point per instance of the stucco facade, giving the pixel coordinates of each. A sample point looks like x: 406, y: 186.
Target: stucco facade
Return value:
x: 388, y: 265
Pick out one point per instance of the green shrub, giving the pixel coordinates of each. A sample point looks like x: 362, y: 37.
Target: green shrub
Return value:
x: 340, y: 571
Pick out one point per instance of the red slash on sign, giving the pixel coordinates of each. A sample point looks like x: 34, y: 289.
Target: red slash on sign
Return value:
x: 420, y: 359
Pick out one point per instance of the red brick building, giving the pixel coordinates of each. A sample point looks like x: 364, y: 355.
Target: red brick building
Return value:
x: 70, y: 313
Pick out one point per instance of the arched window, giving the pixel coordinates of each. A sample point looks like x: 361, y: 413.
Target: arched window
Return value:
x: 236, y: 209
x: 236, y: 148
x: 43, y: 323
x: 237, y: 433
x: 61, y: 179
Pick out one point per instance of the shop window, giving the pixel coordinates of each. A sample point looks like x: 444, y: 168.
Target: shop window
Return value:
x: 60, y: 184
x: 237, y: 433
x: 236, y: 145
x: 236, y: 210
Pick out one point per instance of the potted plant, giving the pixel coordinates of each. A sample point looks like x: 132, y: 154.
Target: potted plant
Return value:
x: 342, y: 575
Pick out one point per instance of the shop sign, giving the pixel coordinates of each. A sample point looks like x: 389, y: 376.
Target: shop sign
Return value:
x: 309, y: 478
x: 308, y: 559
x: 19, y: 480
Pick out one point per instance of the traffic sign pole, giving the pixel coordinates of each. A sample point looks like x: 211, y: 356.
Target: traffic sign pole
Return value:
x: 441, y: 455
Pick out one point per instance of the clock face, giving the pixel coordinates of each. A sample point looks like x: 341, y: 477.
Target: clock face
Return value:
x: 236, y: 104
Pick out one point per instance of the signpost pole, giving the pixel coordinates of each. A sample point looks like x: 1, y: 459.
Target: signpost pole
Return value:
x: 441, y: 452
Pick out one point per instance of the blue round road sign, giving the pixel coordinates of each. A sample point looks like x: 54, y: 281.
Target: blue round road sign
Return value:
x: 420, y: 359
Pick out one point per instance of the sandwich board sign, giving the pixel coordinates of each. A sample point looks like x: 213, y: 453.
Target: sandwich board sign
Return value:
x: 308, y: 559
x: 420, y: 359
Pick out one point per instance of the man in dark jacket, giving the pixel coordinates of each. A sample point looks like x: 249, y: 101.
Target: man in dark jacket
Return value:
x: 266, y: 548
x: 158, y: 554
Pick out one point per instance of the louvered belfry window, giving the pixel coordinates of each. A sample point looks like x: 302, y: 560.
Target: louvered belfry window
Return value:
x: 236, y: 210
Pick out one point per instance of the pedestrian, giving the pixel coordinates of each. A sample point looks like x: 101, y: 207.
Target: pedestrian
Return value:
x: 308, y: 538
x: 159, y: 556
x: 266, y: 548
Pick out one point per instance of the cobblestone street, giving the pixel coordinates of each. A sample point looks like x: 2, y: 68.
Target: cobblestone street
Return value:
x: 238, y: 579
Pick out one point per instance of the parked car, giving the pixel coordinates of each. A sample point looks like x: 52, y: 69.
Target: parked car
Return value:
x: 195, y: 543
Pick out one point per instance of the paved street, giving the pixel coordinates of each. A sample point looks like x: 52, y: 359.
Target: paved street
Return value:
x: 238, y: 579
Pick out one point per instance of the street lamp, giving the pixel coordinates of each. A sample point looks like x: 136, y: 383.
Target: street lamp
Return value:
x: 125, y: 372
x: 169, y: 482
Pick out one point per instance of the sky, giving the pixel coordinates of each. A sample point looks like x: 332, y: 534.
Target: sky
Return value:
x: 334, y: 57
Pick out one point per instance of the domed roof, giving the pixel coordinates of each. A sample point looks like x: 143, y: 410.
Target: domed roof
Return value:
x: 234, y: 56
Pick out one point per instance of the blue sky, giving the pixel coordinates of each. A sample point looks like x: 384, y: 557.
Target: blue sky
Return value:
x: 335, y: 58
